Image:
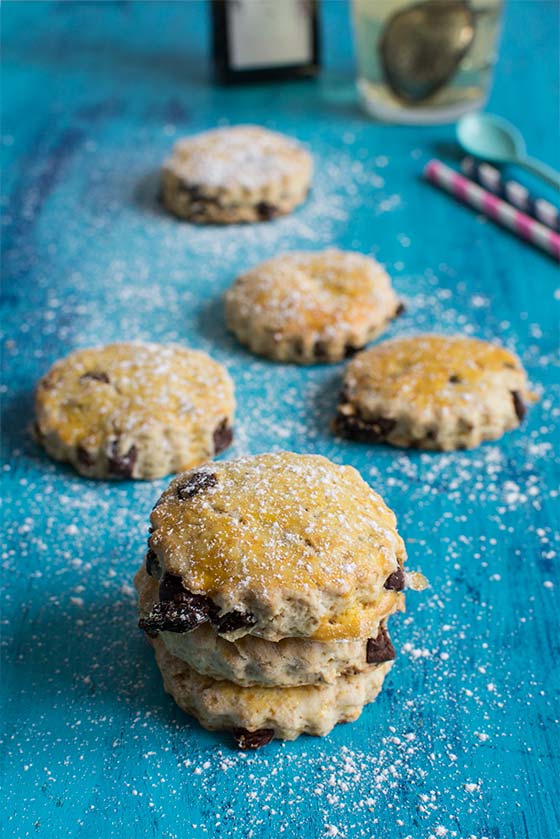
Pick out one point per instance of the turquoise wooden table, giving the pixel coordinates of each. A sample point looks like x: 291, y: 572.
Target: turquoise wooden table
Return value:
x: 463, y: 742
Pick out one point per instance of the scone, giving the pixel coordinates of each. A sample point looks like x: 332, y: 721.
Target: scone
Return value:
x: 240, y: 174
x: 256, y: 715
x: 432, y: 392
x: 277, y: 545
x: 134, y: 410
x: 311, y: 306
x: 266, y: 591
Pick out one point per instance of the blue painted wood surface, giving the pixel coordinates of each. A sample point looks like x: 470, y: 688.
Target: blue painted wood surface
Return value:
x: 463, y: 741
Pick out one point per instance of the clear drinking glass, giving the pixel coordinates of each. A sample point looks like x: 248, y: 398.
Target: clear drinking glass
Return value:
x: 425, y: 62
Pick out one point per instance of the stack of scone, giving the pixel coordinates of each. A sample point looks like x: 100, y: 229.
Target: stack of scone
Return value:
x: 266, y: 592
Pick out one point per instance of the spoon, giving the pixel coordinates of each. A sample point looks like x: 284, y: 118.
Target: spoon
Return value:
x: 422, y: 46
x: 497, y: 141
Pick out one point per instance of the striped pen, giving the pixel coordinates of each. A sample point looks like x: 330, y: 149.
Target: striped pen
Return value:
x: 493, y: 207
x: 491, y: 179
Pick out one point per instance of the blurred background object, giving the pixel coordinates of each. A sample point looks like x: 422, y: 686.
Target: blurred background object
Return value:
x: 257, y: 40
x: 425, y: 62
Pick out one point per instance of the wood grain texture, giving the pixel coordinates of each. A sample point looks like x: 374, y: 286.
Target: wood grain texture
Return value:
x: 463, y: 741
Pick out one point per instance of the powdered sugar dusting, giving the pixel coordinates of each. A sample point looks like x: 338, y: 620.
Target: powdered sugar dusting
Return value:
x: 428, y: 756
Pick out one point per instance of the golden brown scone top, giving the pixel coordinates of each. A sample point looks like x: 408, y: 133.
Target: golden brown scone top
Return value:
x: 314, y: 292
x: 257, y: 532
x: 128, y: 387
x: 434, y: 370
x: 239, y: 157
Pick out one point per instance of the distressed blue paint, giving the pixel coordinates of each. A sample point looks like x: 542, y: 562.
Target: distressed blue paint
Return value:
x: 94, y: 95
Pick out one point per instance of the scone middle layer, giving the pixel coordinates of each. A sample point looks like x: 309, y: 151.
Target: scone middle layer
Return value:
x: 282, y: 712
x: 250, y: 660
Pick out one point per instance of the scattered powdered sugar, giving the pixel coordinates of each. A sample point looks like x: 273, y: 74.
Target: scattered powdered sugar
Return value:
x: 468, y: 686
x: 241, y: 156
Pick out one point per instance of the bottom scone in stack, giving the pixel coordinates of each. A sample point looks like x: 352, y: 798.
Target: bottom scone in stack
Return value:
x: 266, y: 591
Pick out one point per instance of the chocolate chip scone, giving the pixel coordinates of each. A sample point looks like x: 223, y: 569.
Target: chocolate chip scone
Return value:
x: 432, y: 392
x: 311, y: 306
x: 268, y: 574
x: 244, y: 173
x: 134, y: 410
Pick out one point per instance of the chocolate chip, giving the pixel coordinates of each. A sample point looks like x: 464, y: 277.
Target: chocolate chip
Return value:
x: 266, y: 211
x: 356, y: 428
x: 380, y: 649
x: 223, y: 436
x: 84, y: 457
x: 96, y: 376
x: 152, y: 563
x: 455, y: 379
x: 253, y: 739
x: 401, y: 309
x: 232, y: 621
x: 178, y: 610
x: 121, y: 465
x: 196, y: 483
x: 519, y: 405
x: 395, y: 581
x: 509, y: 365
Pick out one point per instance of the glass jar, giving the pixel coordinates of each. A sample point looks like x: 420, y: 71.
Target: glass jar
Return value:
x: 425, y: 62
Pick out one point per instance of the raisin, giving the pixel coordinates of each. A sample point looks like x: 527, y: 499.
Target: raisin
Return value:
x: 253, y: 739
x: 455, y: 379
x: 232, y: 621
x: 320, y: 350
x: 178, y: 609
x: 84, y: 457
x: 223, y: 436
x: 299, y: 346
x: 152, y: 563
x: 121, y: 465
x: 196, y: 483
x: 519, y: 405
x: 395, y: 581
x: 357, y: 428
x: 266, y: 211
x: 380, y: 649
x: 350, y: 350
x: 96, y: 376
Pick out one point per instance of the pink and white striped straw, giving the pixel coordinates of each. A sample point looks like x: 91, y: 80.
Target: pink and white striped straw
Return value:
x: 493, y: 207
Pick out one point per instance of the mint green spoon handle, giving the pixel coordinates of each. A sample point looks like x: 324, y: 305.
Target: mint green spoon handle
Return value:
x: 547, y: 173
